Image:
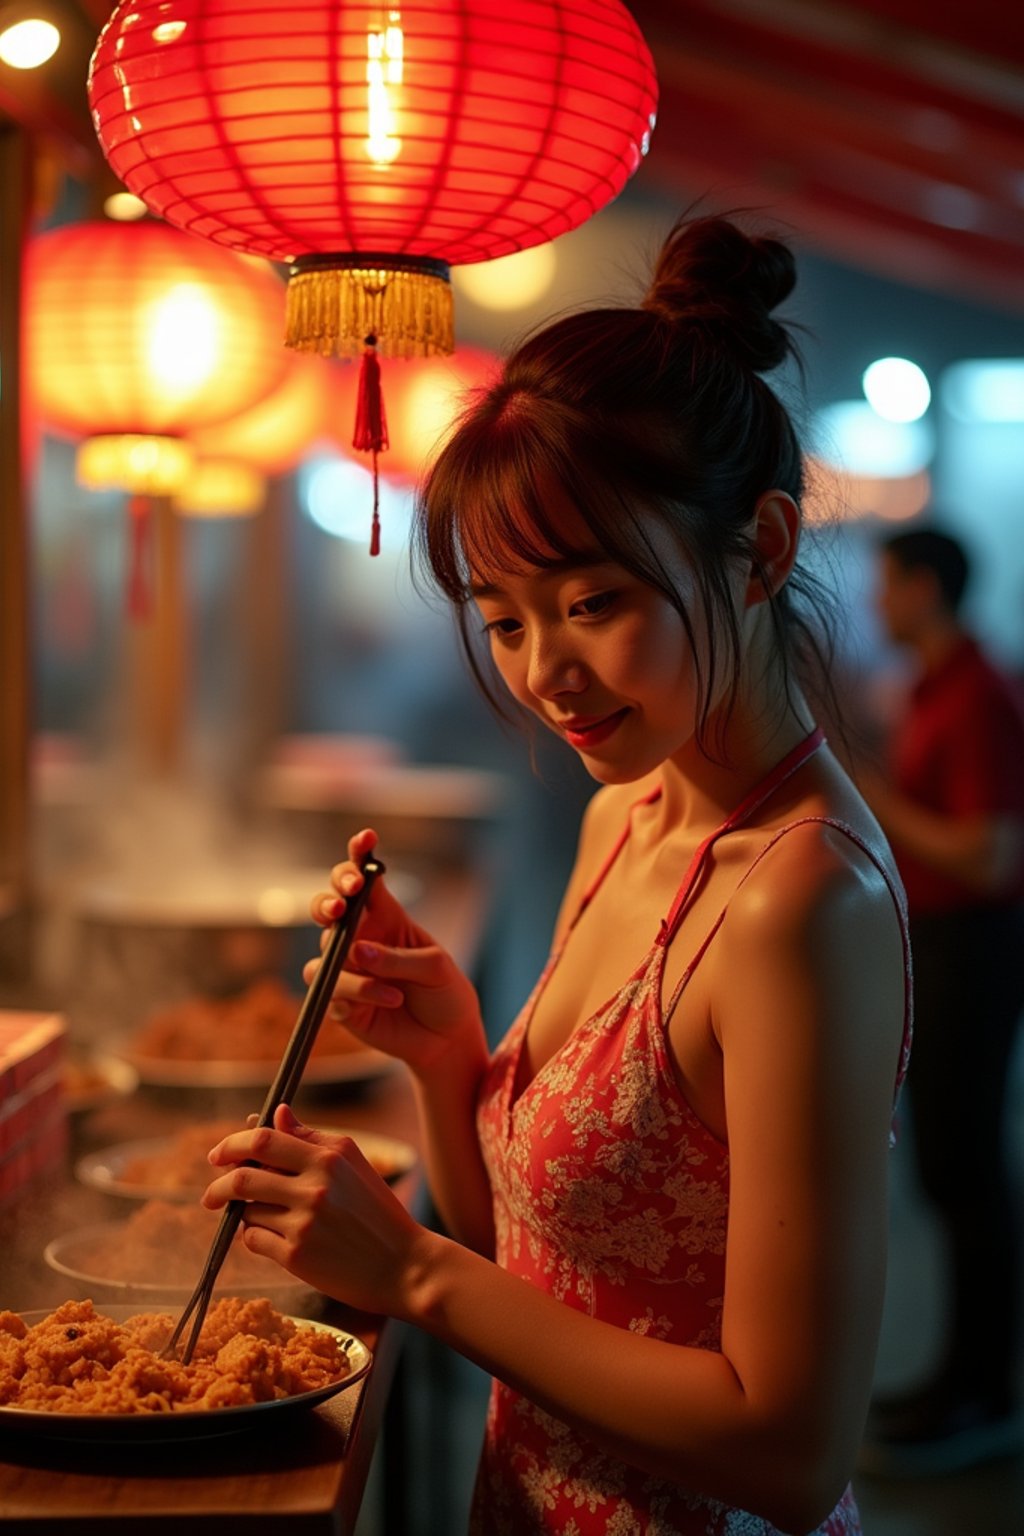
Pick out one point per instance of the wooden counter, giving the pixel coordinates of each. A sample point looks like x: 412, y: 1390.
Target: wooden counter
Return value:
x: 304, y: 1473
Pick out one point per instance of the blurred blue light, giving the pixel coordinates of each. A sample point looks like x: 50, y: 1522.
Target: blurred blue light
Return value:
x: 851, y: 436
x: 337, y: 494
x: 984, y: 390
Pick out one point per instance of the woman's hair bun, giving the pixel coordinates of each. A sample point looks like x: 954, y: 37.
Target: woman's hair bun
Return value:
x: 712, y: 273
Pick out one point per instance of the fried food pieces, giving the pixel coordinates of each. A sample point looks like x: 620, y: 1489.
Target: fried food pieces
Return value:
x: 79, y: 1361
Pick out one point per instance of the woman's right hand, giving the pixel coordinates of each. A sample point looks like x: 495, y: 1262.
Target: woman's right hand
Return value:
x: 399, y: 991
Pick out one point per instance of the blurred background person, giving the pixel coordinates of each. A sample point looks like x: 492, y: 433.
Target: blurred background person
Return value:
x: 952, y: 805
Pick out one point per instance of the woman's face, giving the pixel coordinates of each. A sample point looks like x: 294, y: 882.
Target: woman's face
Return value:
x: 599, y: 656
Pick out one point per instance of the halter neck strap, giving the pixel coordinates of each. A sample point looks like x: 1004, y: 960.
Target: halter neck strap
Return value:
x: 758, y: 795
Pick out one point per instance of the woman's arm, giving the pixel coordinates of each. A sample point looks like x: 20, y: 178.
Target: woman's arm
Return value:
x: 809, y: 1026
x: 403, y: 994
x: 982, y: 850
x: 432, y: 1021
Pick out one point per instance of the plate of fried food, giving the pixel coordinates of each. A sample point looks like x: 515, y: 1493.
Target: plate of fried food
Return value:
x: 85, y: 1373
x: 92, y: 1079
x: 157, y: 1255
x: 176, y: 1168
x: 238, y: 1041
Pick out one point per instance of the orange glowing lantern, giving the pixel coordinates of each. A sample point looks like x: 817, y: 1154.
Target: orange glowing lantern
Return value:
x: 235, y: 457
x: 221, y: 488
x: 136, y: 334
x: 371, y: 146
x: 272, y: 435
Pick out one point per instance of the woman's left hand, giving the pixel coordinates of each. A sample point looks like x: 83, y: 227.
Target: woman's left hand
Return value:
x: 318, y: 1208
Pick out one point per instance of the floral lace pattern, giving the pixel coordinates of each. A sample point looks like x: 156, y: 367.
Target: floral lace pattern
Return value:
x: 610, y: 1194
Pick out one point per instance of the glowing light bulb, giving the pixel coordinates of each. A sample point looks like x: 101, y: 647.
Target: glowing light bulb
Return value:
x: 169, y: 31
x: 385, y: 51
x: 29, y: 43
x: 182, y: 338
x: 897, y: 389
x: 124, y: 206
x: 510, y: 282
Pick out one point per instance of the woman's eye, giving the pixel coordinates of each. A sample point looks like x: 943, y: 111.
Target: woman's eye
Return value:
x: 597, y: 603
x: 501, y: 626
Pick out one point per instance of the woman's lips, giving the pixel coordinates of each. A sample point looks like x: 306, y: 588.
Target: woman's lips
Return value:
x: 584, y: 733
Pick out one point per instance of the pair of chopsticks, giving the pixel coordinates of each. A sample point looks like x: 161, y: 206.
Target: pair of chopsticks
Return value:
x: 282, y: 1091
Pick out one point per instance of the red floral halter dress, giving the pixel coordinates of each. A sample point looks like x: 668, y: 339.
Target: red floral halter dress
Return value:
x: 613, y: 1196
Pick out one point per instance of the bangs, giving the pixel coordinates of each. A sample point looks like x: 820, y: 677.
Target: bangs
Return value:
x: 492, y: 501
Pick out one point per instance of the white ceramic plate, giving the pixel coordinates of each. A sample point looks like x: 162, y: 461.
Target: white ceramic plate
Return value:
x: 154, y: 1428
x: 354, y: 1066
x: 105, y: 1170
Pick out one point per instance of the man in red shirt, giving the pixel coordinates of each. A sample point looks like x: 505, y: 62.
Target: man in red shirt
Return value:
x: 953, y: 809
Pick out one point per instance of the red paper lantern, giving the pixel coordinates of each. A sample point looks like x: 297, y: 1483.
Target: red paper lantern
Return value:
x: 140, y: 329
x: 373, y: 146
x: 135, y: 334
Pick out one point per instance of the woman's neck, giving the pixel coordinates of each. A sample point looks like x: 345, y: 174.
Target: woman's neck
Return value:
x: 700, y: 788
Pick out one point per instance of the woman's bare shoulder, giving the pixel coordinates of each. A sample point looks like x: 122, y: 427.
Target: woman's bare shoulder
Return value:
x: 813, y: 867
x: 819, y: 926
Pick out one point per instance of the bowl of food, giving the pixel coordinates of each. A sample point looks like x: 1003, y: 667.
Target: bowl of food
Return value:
x: 176, y: 1167
x: 157, y: 1255
x: 238, y: 1040
x: 93, y: 1079
x: 140, y: 944
x: 80, y: 1372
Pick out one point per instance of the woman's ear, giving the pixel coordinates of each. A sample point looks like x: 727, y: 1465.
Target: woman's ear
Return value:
x: 776, y: 535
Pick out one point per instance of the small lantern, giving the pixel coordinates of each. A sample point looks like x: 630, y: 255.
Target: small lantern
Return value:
x: 134, y: 335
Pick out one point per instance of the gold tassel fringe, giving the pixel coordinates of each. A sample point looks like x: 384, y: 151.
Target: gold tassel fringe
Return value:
x: 331, y: 310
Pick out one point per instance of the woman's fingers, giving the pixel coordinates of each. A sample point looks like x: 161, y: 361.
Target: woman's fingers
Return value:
x: 260, y: 1186
x: 346, y: 878
x: 362, y: 844
x: 425, y: 966
x: 284, y: 1150
x: 353, y: 990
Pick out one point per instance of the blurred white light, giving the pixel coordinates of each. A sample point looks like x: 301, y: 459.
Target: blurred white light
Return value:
x: 125, y: 207
x: 897, y: 389
x: 169, y: 31
x: 850, y: 435
x: 337, y: 493
x: 182, y: 333
x: 29, y: 43
x: 276, y: 906
x: 509, y: 282
x: 979, y: 390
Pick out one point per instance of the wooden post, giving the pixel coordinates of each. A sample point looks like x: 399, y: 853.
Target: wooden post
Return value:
x: 15, y: 593
x: 156, y: 654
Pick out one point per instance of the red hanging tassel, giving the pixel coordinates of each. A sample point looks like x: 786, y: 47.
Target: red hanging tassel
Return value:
x: 375, y: 529
x: 371, y: 431
x: 139, y: 589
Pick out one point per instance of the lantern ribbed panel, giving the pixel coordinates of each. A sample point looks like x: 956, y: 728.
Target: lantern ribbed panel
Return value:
x: 248, y: 123
x: 111, y: 311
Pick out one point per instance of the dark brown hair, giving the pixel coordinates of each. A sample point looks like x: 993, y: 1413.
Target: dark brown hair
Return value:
x: 659, y: 409
x: 929, y: 549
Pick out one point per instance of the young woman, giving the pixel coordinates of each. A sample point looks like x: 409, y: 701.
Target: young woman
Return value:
x: 664, y: 1195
